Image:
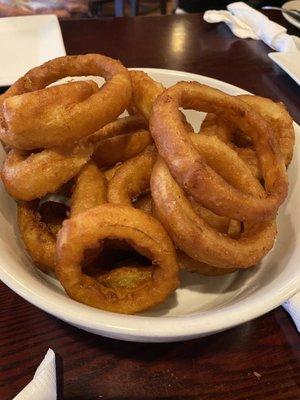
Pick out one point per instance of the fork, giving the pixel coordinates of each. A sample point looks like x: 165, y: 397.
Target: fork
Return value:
x: 292, y: 13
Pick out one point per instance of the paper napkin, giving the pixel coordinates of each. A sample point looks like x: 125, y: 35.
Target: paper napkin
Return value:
x: 246, y: 22
x: 292, y: 306
x: 43, y: 384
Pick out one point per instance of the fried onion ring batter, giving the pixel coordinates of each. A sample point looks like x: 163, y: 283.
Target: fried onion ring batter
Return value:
x: 25, y: 124
x: 31, y: 176
x: 132, y: 179
x: 278, y: 118
x: 38, y: 236
x: 120, y: 126
x: 89, y: 189
x: 199, y: 240
x: 144, y: 233
x: 120, y: 148
x: 145, y: 91
x: 171, y: 135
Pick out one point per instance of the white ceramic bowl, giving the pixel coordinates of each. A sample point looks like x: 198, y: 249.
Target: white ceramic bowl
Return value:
x: 202, y: 305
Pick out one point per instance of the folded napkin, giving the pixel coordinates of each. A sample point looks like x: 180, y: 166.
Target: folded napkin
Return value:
x: 43, y: 384
x: 292, y: 306
x: 246, y: 22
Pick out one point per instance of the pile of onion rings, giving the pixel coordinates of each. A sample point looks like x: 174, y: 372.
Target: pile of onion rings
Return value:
x: 114, y: 207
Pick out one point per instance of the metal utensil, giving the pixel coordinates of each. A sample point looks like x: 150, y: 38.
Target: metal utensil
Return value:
x: 292, y: 13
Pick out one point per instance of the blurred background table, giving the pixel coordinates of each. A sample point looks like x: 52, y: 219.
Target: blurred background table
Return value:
x: 256, y: 361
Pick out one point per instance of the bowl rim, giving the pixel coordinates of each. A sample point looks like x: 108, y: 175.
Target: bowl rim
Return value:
x: 151, y: 327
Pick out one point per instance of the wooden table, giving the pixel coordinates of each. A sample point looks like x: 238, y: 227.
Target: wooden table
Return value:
x: 256, y: 361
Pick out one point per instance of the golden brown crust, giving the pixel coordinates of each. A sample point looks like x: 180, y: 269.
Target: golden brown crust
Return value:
x: 39, y: 237
x: 145, y: 91
x: 89, y: 190
x: 248, y: 155
x: 274, y: 113
x: 214, y: 126
x: 109, y: 173
x: 121, y: 148
x: 42, y: 128
x: 170, y: 133
x: 195, y: 237
x: 132, y: 179
x: 280, y: 120
x: 143, y: 232
x: 31, y: 176
x: 218, y: 222
x: 120, y: 126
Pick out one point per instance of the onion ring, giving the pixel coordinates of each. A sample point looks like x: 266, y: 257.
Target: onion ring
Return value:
x: 144, y: 233
x: 109, y: 173
x: 280, y: 120
x: 120, y: 148
x: 56, y: 96
x: 218, y: 222
x: 38, y: 236
x: 277, y: 116
x: 195, y: 237
x: 248, y: 155
x: 52, y: 214
x: 31, y: 176
x: 89, y: 189
x: 120, y: 126
x: 212, y: 125
x: 29, y: 127
x: 170, y: 133
x: 132, y: 179
x: 144, y: 92
x: 120, y: 140
x: 170, y: 200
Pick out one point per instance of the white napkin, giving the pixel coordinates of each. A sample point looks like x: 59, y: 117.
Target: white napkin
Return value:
x: 246, y: 22
x: 292, y: 306
x: 43, y: 384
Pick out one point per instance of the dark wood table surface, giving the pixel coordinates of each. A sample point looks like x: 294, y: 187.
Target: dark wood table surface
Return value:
x: 256, y: 361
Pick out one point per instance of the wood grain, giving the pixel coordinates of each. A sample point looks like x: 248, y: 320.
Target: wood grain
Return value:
x: 256, y: 361
x: 187, y: 43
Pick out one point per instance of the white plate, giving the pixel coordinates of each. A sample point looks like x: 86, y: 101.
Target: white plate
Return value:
x: 202, y: 305
x: 292, y: 5
x: 26, y: 42
x: 289, y: 62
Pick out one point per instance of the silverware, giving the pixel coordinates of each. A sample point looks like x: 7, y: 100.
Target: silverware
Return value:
x: 292, y: 13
